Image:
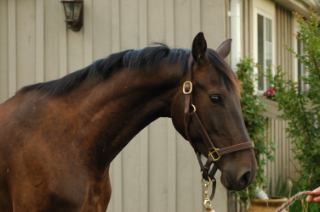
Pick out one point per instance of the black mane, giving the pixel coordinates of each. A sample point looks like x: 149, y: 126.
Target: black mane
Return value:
x: 148, y: 57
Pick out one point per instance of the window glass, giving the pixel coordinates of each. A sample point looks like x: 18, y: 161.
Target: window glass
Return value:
x: 264, y: 48
x: 301, y: 68
x: 260, y: 50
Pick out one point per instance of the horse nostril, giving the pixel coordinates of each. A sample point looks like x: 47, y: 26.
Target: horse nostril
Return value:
x: 244, y: 179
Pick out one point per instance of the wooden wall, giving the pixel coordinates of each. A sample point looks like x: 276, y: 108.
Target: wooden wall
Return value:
x: 36, y: 46
x: 285, y: 37
x: 247, y: 28
x: 284, y: 164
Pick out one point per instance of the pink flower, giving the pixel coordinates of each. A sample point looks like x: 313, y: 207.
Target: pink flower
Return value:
x: 270, y: 92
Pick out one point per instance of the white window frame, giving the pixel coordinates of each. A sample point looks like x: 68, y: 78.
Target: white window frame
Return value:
x: 267, y: 10
x: 295, y: 46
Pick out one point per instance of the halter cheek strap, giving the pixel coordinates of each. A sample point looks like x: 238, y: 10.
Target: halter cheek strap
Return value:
x: 214, y: 153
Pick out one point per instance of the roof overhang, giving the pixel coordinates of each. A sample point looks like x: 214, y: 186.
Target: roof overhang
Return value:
x: 300, y: 6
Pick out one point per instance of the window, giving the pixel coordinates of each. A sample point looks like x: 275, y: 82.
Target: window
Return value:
x: 300, y: 67
x: 264, y: 38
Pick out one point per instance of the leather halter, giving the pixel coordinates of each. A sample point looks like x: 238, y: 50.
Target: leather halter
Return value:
x: 214, y: 153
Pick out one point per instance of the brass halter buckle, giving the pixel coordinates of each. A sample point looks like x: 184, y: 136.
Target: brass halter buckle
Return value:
x: 184, y: 87
x: 212, y: 156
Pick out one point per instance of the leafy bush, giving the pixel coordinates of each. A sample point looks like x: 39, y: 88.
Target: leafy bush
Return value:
x: 301, y: 108
x: 252, y: 108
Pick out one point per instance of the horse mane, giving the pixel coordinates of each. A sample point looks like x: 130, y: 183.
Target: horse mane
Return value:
x: 227, y: 76
x: 148, y: 57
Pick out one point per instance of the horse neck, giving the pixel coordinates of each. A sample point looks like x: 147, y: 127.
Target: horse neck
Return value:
x: 119, y: 107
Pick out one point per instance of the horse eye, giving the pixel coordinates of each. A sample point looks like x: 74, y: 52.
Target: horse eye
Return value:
x: 216, y: 98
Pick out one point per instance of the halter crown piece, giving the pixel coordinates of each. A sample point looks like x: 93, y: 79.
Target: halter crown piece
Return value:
x: 214, y: 153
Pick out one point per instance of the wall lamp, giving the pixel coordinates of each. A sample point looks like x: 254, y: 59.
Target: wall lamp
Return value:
x: 73, y: 10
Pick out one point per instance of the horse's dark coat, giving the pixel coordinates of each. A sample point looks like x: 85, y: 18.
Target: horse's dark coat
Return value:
x: 58, y: 138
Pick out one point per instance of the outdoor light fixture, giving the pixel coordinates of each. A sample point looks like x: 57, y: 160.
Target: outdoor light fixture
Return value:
x: 73, y: 10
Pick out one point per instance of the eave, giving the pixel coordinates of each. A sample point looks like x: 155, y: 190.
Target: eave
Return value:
x: 300, y: 6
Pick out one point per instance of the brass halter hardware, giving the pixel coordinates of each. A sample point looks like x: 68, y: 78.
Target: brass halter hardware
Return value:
x: 184, y: 87
x: 207, y: 201
x: 194, y: 108
x: 216, y: 150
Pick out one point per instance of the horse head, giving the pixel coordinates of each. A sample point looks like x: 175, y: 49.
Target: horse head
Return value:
x: 211, y: 91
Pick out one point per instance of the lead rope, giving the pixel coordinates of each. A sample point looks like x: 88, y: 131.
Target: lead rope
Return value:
x: 207, y: 202
x: 294, y: 198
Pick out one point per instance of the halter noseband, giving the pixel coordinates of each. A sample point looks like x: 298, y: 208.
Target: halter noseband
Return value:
x: 214, y: 153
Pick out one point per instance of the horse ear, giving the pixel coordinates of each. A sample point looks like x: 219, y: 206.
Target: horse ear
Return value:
x: 199, y: 48
x: 224, y: 48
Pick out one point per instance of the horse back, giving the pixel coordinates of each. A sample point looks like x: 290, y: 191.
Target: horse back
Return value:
x: 40, y: 170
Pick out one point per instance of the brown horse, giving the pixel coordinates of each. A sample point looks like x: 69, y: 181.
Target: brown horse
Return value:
x: 58, y: 138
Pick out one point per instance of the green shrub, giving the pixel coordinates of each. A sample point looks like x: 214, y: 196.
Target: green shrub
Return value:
x: 301, y: 108
x: 252, y: 109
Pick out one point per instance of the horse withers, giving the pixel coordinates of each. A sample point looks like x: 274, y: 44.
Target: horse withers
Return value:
x: 58, y: 138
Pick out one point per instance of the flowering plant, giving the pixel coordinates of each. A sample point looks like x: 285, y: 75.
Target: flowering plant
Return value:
x: 270, y: 93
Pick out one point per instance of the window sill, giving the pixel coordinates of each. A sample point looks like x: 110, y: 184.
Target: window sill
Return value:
x: 272, y: 108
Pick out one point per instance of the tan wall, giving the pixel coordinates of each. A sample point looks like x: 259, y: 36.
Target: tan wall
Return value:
x: 284, y: 24
x: 246, y: 28
x: 36, y: 46
x: 284, y: 165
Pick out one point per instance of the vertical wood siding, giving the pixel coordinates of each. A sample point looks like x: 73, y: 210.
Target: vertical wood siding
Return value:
x: 283, y: 167
x: 4, y: 54
x: 284, y: 37
x: 247, y: 27
x: 284, y: 164
x: 36, y: 46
